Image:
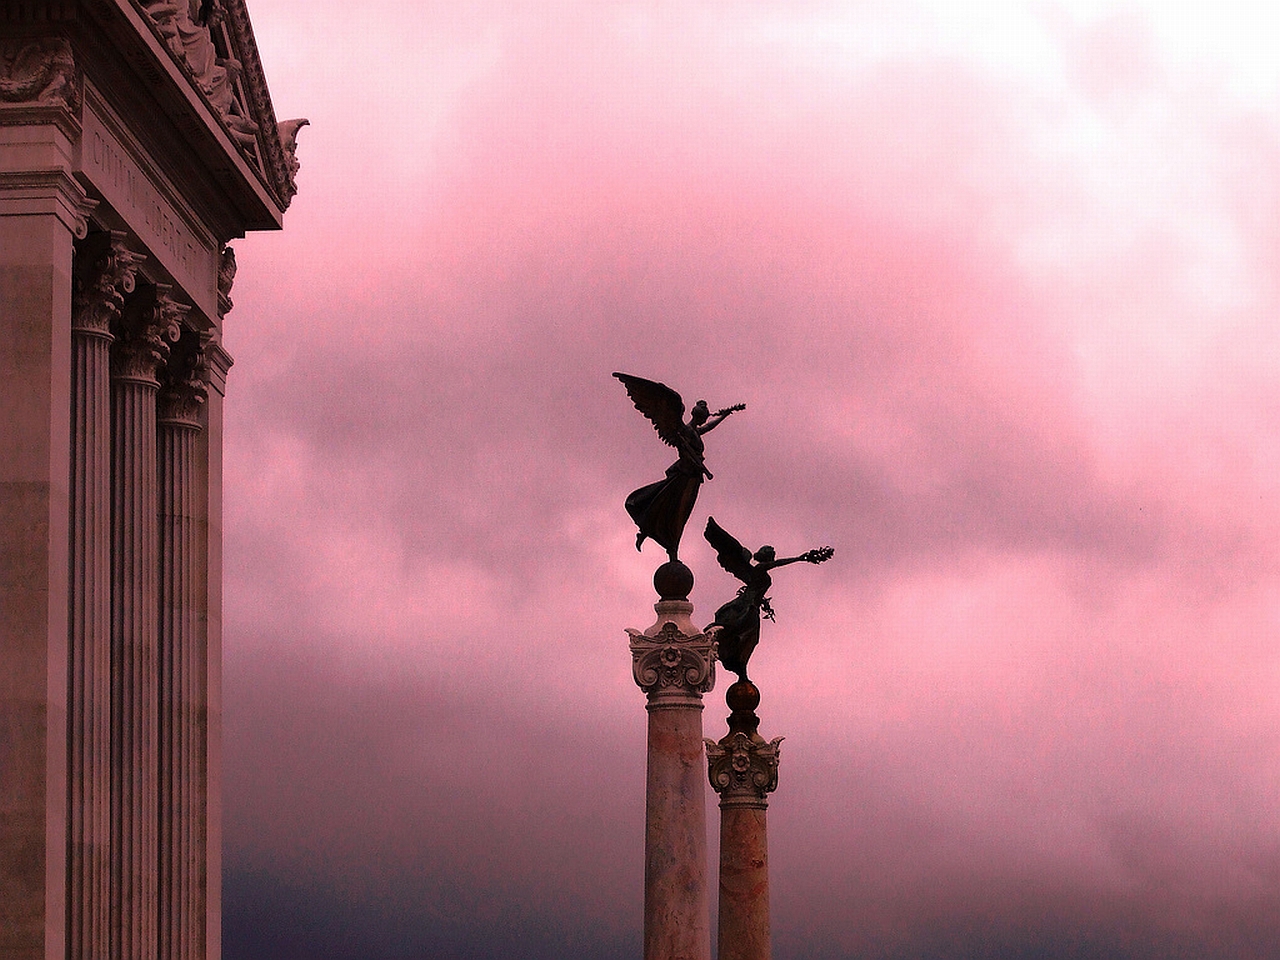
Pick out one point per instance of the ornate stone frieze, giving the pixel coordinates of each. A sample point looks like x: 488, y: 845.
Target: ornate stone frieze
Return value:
x: 671, y: 662
x: 743, y: 768
x: 146, y: 335
x: 213, y: 43
x: 39, y: 70
x: 189, y: 38
x: 105, y: 271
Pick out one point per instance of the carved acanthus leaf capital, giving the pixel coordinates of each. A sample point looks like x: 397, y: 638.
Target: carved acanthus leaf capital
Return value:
x: 672, y: 663
x: 105, y: 271
x: 185, y: 387
x: 147, y: 333
x: 743, y: 769
x: 41, y: 71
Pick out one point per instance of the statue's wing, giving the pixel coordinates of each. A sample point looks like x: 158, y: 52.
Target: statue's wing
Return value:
x: 659, y: 403
x: 731, y: 555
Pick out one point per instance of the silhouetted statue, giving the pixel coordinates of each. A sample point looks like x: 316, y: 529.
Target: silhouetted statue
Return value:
x: 661, y: 509
x: 739, y: 619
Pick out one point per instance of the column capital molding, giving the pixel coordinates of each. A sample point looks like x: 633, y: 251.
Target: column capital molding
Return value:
x: 185, y: 386
x: 105, y: 271
x: 672, y: 666
x: 147, y: 333
x: 743, y: 769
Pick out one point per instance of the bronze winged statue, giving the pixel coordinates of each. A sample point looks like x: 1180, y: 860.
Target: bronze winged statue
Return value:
x: 662, y: 509
x: 739, y: 619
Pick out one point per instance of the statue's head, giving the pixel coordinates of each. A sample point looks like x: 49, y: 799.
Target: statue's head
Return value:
x: 700, y: 413
x: 765, y: 554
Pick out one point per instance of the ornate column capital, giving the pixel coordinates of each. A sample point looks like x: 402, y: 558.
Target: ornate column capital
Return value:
x: 105, y: 271
x: 147, y: 332
x: 743, y: 768
x: 185, y: 386
x: 671, y: 665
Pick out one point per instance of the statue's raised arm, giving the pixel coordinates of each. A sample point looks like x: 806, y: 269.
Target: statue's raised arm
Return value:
x: 739, y: 619
x: 661, y: 509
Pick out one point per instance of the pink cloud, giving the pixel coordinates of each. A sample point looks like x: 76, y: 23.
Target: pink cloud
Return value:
x: 1006, y: 335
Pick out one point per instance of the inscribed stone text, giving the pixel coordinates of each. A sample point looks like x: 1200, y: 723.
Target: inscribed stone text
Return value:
x: 157, y: 224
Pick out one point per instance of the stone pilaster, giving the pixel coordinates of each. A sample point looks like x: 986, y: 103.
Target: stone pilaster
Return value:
x: 103, y: 274
x: 743, y: 769
x: 182, y: 656
x: 43, y: 209
x: 673, y: 662
x: 147, y: 330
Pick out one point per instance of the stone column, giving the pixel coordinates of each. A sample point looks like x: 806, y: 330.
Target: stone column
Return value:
x: 147, y: 329
x: 182, y: 668
x: 743, y: 768
x: 673, y: 662
x: 104, y: 273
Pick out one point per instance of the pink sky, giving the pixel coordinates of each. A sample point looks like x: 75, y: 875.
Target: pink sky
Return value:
x: 1000, y: 291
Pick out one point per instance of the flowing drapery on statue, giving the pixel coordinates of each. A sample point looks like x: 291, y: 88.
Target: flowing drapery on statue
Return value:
x: 660, y: 510
x: 739, y: 619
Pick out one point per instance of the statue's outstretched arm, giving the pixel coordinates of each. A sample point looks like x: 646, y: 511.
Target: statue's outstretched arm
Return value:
x: 719, y: 417
x: 820, y: 555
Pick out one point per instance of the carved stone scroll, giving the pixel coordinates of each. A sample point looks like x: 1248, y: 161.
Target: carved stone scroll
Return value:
x: 743, y: 769
x: 672, y: 662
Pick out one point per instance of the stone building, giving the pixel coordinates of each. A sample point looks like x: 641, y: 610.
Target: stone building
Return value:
x: 137, y: 138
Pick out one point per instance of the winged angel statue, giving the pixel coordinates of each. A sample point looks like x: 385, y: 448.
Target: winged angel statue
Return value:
x: 739, y: 619
x: 662, y: 509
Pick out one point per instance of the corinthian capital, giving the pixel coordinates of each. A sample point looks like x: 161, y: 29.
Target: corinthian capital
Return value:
x: 105, y: 271
x: 147, y: 330
x: 743, y: 768
x: 185, y: 385
x: 672, y: 664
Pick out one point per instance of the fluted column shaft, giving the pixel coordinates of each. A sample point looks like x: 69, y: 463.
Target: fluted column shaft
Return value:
x: 134, y: 608
x: 182, y: 678
x: 673, y: 663
x: 104, y: 273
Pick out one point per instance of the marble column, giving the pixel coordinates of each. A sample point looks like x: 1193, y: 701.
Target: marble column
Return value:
x: 103, y: 274
x: 743, y: 769
x: 146, y: 330
x: 182, y: 668
x: 673, y: 662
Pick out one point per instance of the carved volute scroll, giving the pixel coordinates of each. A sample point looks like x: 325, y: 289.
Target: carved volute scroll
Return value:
x: 672, y: 663
x: 105, y: 272
x: 743, y: 768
